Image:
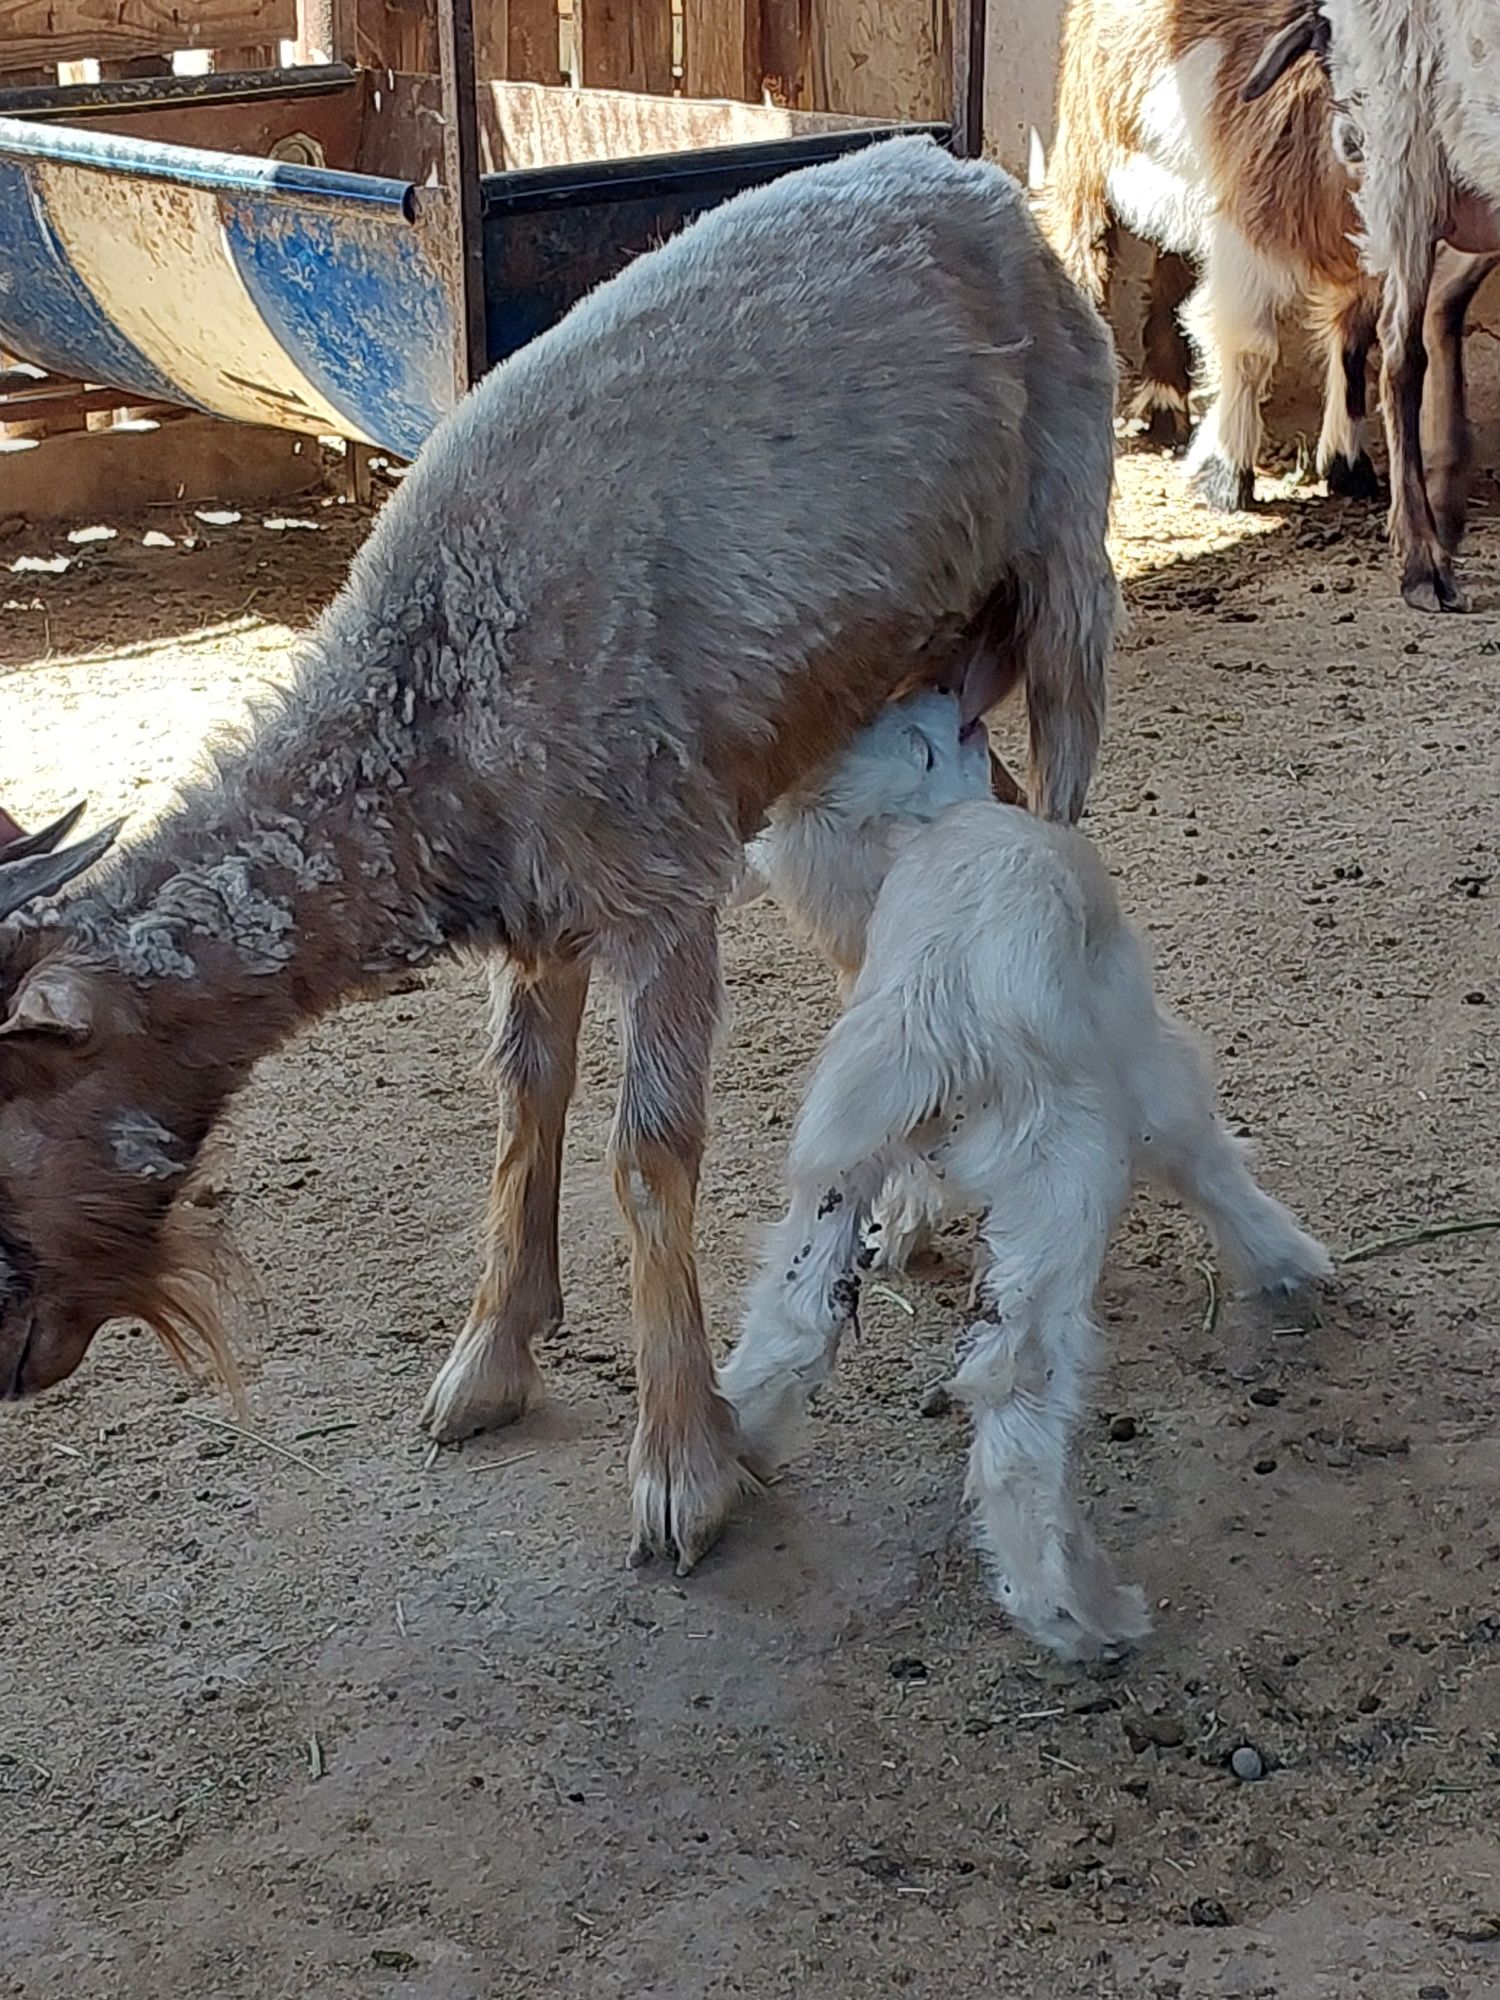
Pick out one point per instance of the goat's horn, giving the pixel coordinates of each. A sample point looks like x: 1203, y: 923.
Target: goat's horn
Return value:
x: 23, y: 881
x: 44, y: 840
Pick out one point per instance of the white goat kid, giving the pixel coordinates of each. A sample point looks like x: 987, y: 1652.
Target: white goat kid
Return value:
x: 1004, y: 1032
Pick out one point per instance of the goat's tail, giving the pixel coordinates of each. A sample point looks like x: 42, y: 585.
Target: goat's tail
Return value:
x: 1067, y: 620
x: 883, y: 1073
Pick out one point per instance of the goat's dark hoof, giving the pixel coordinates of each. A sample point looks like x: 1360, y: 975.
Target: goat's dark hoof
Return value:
x: 1429, y: 585
x: 1353, y: 478
x: 1226, y: 488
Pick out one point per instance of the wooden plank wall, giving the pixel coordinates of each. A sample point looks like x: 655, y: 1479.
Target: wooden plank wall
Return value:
x: 865, y: 58
x: 47, y: 32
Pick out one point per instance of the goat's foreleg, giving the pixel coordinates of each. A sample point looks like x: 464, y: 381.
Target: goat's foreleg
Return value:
x: 685, y: 1468
x: 1232, y: 317
x: 491, y: 1374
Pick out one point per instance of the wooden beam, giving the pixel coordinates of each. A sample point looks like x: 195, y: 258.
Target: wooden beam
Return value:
x: 721, y: 49
x: 883, y: 58
x: 533, y: 44
x: 625, y: 44
x: 786, y: 52
x: 394, y: 34
x: 52, y: 31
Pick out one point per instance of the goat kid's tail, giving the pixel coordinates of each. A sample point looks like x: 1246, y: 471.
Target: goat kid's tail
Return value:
x: 881, y: 1075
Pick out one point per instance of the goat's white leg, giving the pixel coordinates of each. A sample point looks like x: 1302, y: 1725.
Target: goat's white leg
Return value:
x: 803, y: 1300
x: 685, y: 1468
x: 1023, y: 1371
x: 1232, y: 318
x: 1185, y: 1145
x: 491, y: 1374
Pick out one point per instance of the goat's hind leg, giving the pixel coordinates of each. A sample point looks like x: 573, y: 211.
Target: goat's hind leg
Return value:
x: 801, y: 1304
x: 491, y: 1374
x: 1185, y: 1145
x: 1023, y: 1371
x: 685, y: 1468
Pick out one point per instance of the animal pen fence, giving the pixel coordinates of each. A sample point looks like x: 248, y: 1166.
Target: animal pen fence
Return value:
x: 327, y: 217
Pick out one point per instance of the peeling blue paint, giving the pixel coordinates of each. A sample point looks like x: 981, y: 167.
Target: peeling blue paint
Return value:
x: 356, y: 304
x: 49, y: 315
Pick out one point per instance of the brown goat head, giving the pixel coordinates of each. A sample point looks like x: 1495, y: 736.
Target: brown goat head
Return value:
x: 94, y: 1170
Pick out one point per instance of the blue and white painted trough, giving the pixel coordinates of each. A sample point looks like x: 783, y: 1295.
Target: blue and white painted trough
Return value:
x: 276, y: 293
x: 307, y: 298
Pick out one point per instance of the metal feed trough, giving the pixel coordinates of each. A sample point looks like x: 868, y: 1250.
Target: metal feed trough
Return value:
x: 340, y: 262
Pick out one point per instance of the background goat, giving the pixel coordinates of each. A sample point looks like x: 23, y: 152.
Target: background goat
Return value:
x: 1003, y: 1031
x: 1415, y: 83
x: 1152, y: 133
x: 851, y: 429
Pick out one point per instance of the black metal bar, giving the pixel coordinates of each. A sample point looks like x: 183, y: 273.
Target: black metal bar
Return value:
x: 464, y: 245
x: 519, y: 190
x: 156, y: 93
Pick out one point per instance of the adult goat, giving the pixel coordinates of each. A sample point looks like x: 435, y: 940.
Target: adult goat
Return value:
x: 849, y: 431
x: 1415, y: 82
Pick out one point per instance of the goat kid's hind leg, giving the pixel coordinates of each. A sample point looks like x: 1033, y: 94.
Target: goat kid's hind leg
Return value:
x: 1023, y: 1371
x: 685, y: 1468
x: 1185, y: 1145
x: 803, y: 1301
x: 491, y: 1374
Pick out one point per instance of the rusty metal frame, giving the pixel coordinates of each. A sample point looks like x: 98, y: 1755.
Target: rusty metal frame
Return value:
x: 463, y: 259
x: 969, y: 24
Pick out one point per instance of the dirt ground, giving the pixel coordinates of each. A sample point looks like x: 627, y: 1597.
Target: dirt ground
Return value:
x: 305, y: 1714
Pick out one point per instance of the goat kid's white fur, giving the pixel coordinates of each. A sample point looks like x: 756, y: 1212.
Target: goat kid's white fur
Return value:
x: 1003, y: 1036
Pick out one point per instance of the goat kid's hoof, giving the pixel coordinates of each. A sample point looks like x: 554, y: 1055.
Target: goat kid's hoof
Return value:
x: 1352, y: 478
x: 470, y: 1393
x: 682, y: 1493
x: 1226, y: 488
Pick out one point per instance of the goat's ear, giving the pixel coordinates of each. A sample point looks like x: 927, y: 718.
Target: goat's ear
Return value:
x: 1285, y: 49
x: 52, y: 1000
x: 920, y: 750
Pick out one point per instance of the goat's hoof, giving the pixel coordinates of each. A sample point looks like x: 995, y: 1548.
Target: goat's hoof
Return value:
x: 1430, y: 586
x: 1165, y: 427
x: 1226, y: 488
x: 1353, y: 478
x: 683, y: 1489
x: 1115, y: 1622
x: 472, y: 1392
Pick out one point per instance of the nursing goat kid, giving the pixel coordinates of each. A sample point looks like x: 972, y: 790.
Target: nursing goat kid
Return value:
x: 1418, y: 96
x: 849, y: 430
x: 1003, y: 1032
x: 1152, y: 133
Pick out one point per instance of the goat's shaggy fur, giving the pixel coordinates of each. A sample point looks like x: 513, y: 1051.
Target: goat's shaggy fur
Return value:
x: 1002, y: 1033
x: 1152, y: 133
x: 1415, y: 84
x: 850, y: 430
